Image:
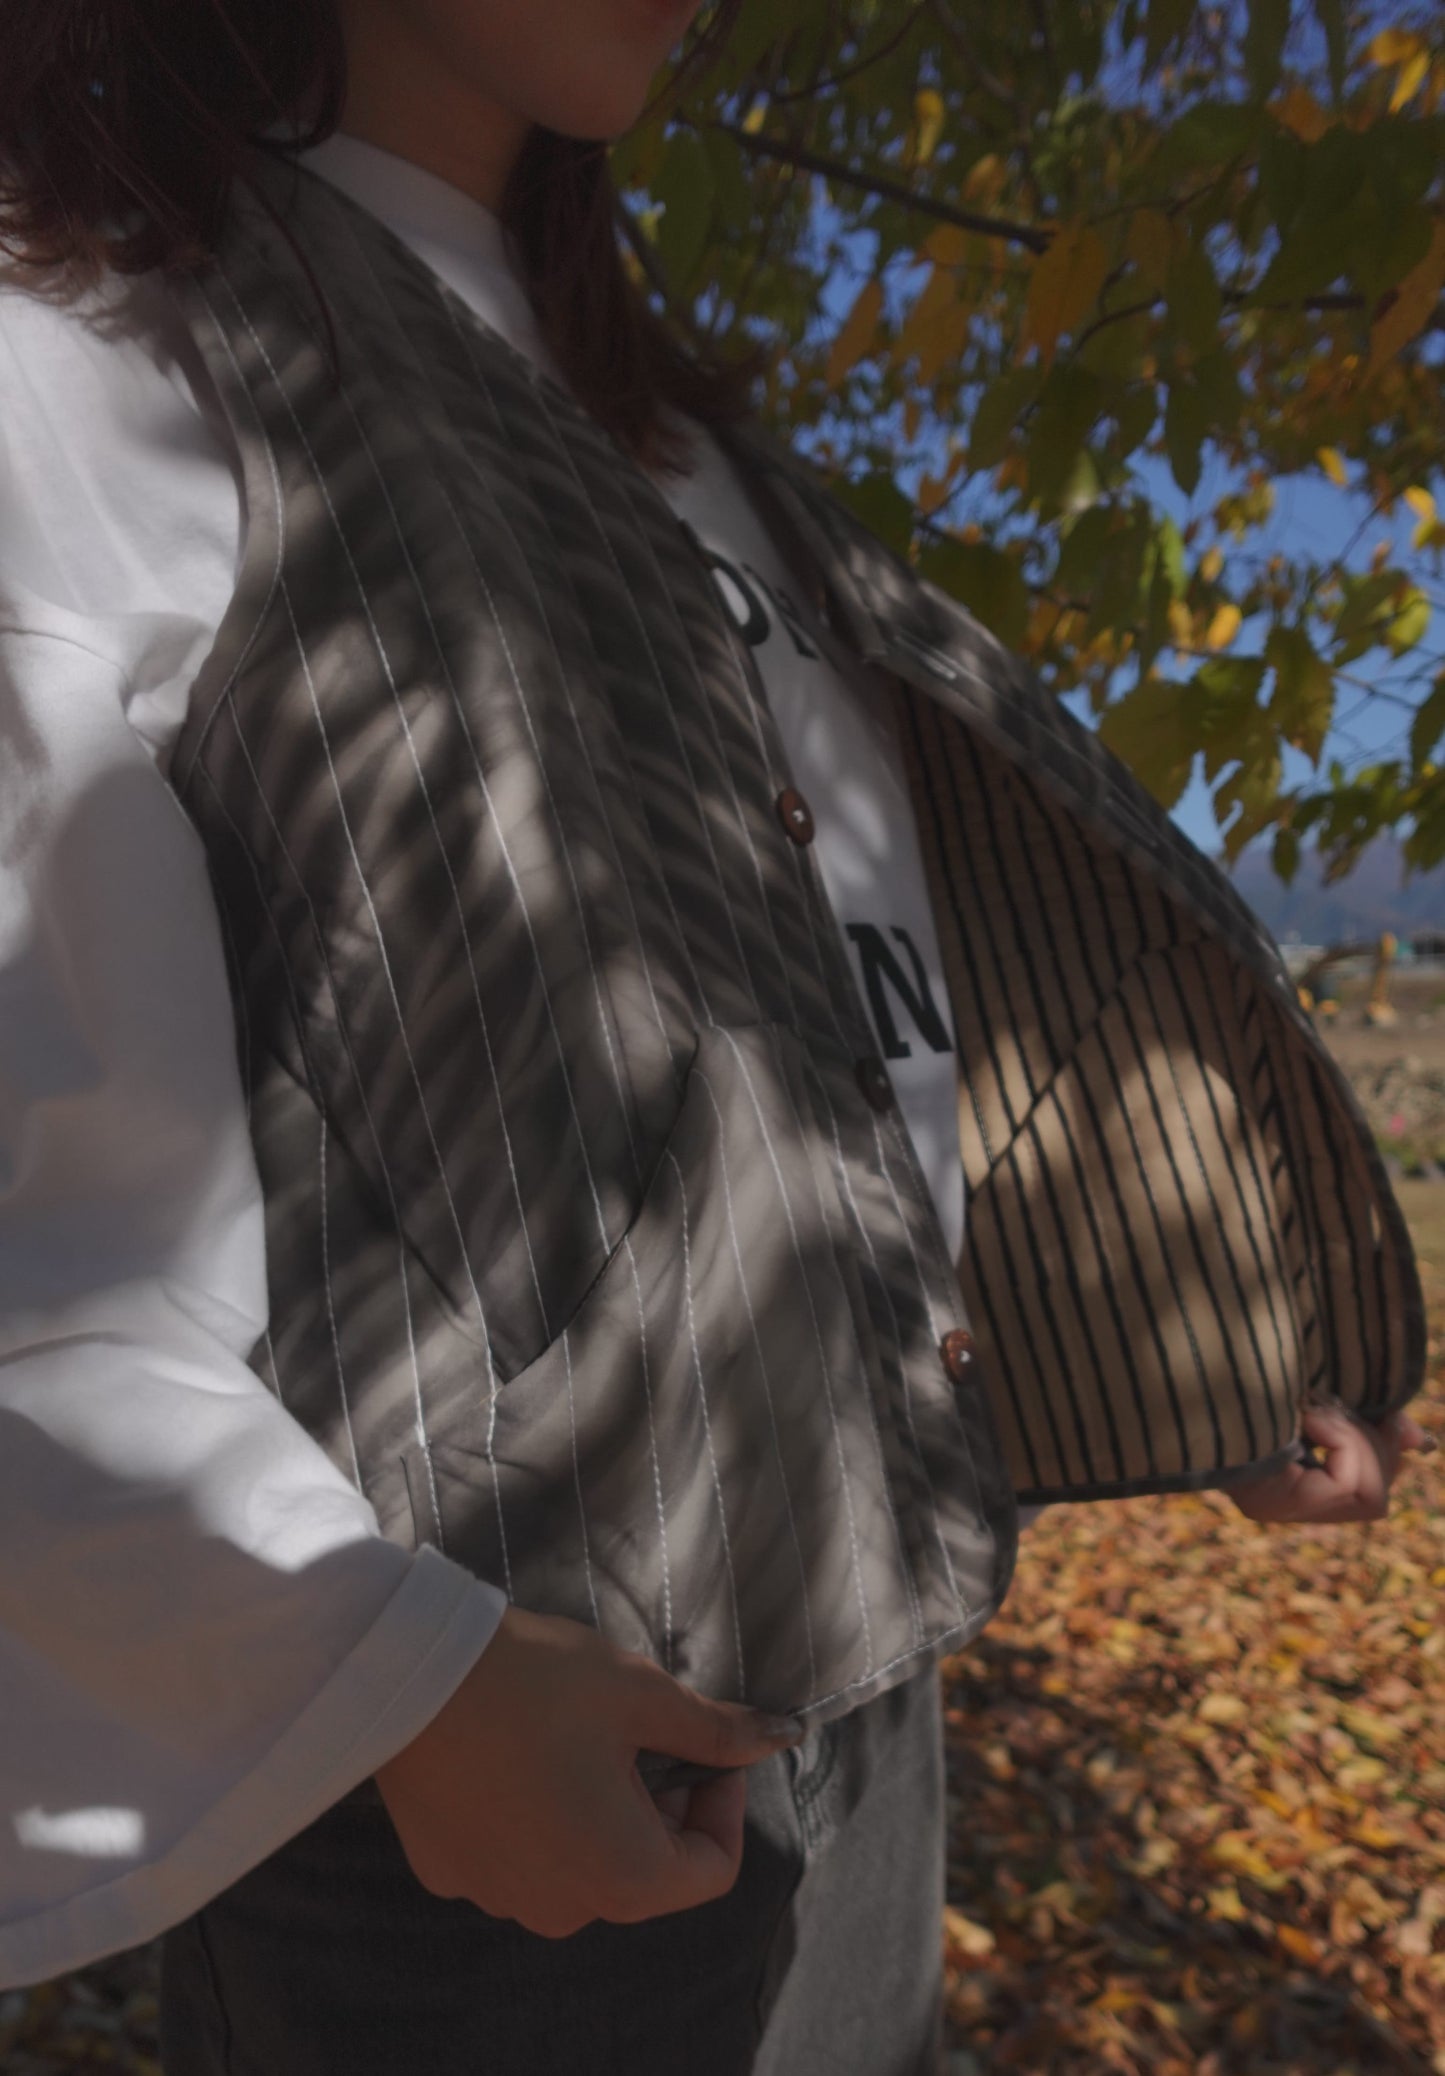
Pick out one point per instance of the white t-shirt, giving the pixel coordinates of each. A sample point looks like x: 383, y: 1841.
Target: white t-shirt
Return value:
x: 204, y: 1639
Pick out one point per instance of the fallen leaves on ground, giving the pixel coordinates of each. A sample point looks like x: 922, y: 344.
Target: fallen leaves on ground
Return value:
x: 98, y: 2022
x: 1197, y: 1795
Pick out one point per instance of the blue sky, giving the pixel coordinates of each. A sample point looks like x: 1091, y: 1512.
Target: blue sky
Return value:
x: 1311, y: 517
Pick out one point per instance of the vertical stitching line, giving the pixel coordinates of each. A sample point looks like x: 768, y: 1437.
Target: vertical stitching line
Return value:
x: 707, y: 1427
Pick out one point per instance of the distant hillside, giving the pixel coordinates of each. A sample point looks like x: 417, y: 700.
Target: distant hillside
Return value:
x: 1375, y: 897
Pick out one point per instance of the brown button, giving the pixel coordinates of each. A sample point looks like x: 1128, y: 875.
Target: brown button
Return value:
x: 795, y: 815
x: 873, y: 1080
x: 957, y: 1352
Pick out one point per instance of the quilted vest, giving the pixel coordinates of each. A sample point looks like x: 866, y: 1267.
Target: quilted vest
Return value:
x: 598, y: 1254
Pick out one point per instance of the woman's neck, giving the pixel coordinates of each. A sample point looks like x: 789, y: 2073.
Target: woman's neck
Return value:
x: 401, y: 97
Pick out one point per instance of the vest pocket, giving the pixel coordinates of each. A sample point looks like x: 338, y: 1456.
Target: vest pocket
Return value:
x: 693, y: 1464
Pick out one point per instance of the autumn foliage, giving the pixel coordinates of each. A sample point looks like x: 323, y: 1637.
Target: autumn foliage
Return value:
x: 1197, y: 1793
x: 1063, y: 292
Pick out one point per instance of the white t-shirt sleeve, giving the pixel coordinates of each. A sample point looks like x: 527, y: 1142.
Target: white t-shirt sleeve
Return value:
x: 204, y: 1639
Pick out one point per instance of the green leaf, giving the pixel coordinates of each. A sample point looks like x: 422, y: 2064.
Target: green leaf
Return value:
x: 1169, y: 543
x: 685, y: 188
x: 1186, y: 422
x: 1118, y: 349
x: 1220, y: 396
x: 1135, y: 414
x: 1303, y: 701
x: 1285, y: 854
x: 989, y: 582
x: 1264, y: 44
x: 1331, y: 15
x: 1153, y: 729
x: 1083, y: 550
x: 1126, y: 572
x: 1428, y: 725
x: 1360, y: 623
x: 1249, y: 798
x: 1081, y: 487
x: 1229, y: 682
x: 1310, y: 257
x: 996, y: 419
x: 1410, y: 621
x: 1067, y: 412
x: 1192, y: 295
x: 761, y: 24
x: 1209, y: 134
x: 1425, y: 845
x: 1229, y: 721
x: 732, y: 196
x: 881, y: 505
x: 1283, y: 176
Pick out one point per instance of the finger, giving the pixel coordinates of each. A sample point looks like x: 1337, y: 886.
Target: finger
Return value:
x: 672, y: 1805
x: 1353, y: 1452
x: 717, y: 1810
x: 664, y: 1716
x: 1414, y: 1436
x: 700, y: 1861
x: 1358, y: 1463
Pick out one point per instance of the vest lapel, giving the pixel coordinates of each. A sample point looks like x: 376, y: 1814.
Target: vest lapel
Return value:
x: 1178, y: 1227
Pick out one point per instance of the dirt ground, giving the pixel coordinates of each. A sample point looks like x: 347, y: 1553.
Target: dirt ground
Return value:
x: 1398, y: 1070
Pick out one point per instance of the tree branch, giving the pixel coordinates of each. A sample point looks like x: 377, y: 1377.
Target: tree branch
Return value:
x: 885, y: 188
x: 855, y: 71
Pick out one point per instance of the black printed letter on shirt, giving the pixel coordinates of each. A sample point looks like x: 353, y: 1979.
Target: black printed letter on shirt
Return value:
x: 878, y: 962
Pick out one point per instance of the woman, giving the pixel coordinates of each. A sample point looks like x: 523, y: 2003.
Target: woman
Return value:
x: 494, y: 1456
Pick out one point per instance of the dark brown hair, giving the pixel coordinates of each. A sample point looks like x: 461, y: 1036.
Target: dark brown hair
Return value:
x: 126, y: 124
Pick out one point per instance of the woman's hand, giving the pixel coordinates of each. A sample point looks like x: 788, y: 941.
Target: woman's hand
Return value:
x: 522, y: 1794
x: 1352, y: 1484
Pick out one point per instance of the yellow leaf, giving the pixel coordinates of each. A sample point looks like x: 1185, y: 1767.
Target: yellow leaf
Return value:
x: 985, y: 179
x: 857, y: 334
x: 1332, y: 462
x: 1394, y: 47
x: 1211, y: 565
x: 1361, y: 1773
x: 1370, y: 1725
x: 1298, y: 1943
x: 1221, y: 632
x: 928, y: 112
x: 1371, y: 1832
x: 936, y: 329
x: 1150, y: 245
x: 1411, y: 308
x: 1224, y: 1708
x: 1299, y: 112
x: 1181, y: 624
x: 1065, y: 283
x: 970, y: 1938
x: 1117, y: 1998
x: 947, y: 246
x: 1408, y: 80
x: 1226, y: 1903
x: 753, y: 120
x: 1430, y: 533
x: 1238, y: 1851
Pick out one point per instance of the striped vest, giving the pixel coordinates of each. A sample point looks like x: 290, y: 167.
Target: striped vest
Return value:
x: 598, y: 1253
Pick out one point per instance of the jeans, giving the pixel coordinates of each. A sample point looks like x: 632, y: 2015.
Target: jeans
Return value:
x: 825, y: 1959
